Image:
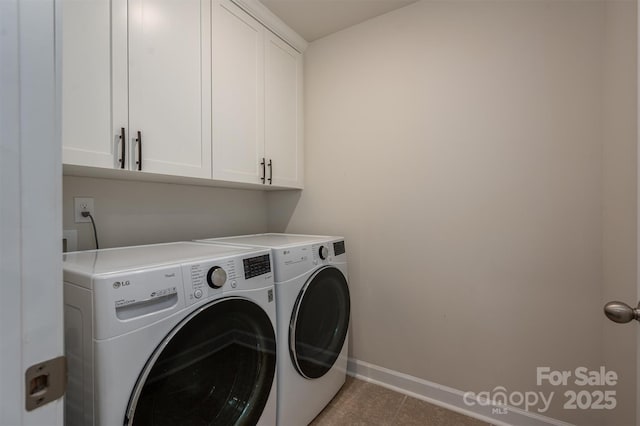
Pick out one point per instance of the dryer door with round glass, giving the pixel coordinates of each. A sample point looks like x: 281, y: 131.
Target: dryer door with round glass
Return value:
x: 319, y: 323
x: 216, y: 367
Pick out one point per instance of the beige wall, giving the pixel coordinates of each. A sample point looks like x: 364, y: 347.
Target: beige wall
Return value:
x: 131, y: 213
x: 619, y: 197
x: 459, y: 148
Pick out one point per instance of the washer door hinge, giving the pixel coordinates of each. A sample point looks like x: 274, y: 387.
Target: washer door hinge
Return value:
x: 45, y: 382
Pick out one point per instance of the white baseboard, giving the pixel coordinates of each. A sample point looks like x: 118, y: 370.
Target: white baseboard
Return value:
x: 443, y: 396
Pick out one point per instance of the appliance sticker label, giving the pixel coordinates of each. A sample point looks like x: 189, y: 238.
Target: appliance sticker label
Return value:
x: 297, y: 260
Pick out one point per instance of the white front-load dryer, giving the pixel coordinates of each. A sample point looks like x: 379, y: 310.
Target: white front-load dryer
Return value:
x: 170, y: 334
x: 313, y: 308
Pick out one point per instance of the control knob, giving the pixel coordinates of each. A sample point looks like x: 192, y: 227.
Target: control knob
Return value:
x: 216, y: 277
x: 323, y: 252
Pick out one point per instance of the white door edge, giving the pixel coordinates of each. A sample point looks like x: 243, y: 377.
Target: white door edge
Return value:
x: 638, y: 219
x: 30, y: 206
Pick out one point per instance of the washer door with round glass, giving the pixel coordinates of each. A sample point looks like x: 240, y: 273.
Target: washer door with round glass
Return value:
x: 215, y: 368
x: 319, y: 323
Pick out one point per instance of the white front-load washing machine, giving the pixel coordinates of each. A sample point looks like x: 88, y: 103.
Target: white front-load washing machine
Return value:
x: 313, y: 307
x: 170, y: 334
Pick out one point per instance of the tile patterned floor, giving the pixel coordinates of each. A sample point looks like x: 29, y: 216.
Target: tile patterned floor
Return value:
x: 362, y: 403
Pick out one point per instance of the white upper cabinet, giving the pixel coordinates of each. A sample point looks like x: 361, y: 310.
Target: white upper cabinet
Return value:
x: 283, y: 112
x: 257, y: 102
x: 238, y: 94
x: 90, y: 132
x: 139, y: 69
x: 169, y: 86
x: 187, y: 88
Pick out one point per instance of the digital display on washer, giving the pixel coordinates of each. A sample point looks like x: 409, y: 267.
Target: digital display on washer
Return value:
x: 338, y: 248
x: 255, y: 266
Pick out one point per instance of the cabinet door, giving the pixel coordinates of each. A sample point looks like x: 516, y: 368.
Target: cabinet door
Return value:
x: 94, y: 107
x: 283, y: 112
x: 169, y: 70
x: 238, y: 94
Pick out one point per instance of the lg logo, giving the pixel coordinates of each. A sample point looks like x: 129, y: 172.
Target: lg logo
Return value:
x: 119, y: 284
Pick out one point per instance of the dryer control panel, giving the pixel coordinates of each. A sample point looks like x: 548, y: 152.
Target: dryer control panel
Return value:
x: 295, y: 261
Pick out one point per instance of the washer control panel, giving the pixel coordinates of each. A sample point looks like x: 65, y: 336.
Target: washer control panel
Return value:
x: 215, y: 277
x: 255, y: 266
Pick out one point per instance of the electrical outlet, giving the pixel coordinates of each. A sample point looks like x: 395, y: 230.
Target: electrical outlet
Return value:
x: 83, y: 204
